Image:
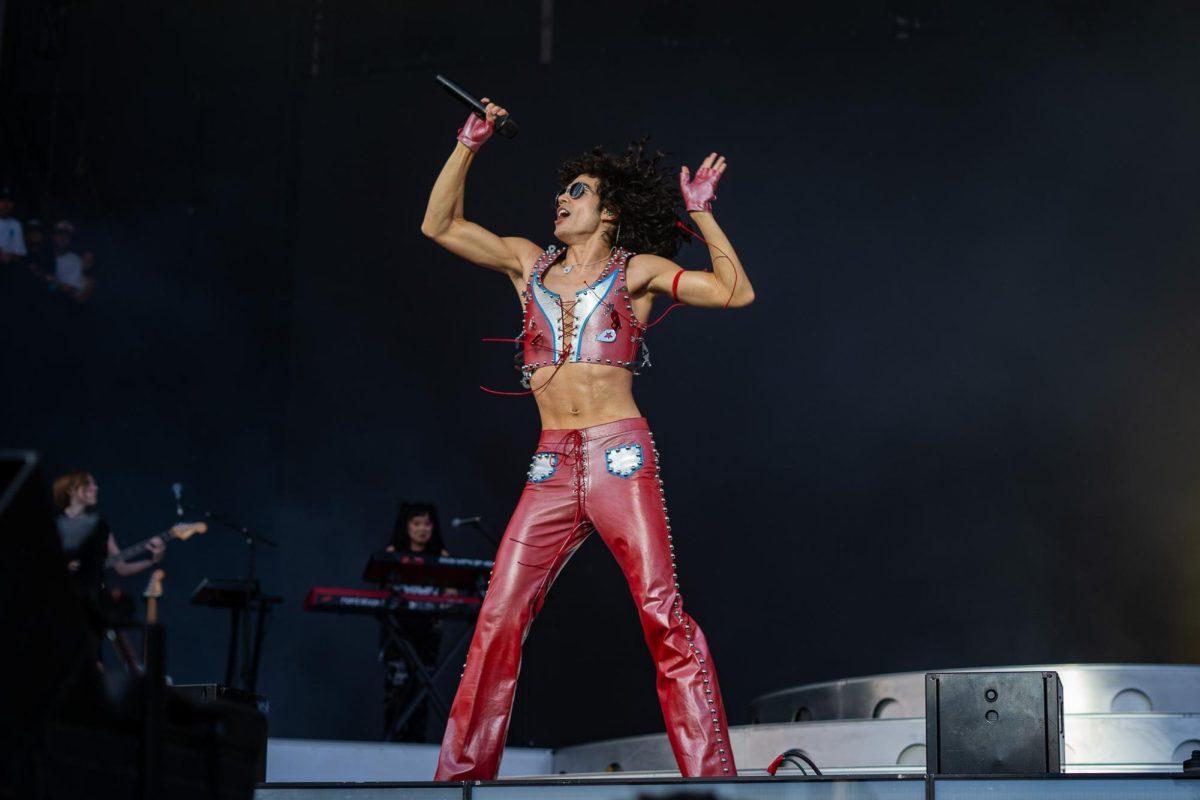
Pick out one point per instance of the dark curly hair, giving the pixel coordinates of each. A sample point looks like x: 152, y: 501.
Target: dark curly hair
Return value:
x: 640, y: 190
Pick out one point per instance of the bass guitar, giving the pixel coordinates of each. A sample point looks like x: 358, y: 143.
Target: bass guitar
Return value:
x: 182, y: 532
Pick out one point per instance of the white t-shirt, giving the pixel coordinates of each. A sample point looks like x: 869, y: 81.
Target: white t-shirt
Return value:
x: 12, y: 238
x: 68, y: 270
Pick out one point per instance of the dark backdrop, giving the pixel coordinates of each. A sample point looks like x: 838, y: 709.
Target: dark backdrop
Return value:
x: 958, y: 427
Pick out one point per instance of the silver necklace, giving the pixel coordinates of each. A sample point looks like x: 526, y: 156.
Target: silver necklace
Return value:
x: 566, y: 268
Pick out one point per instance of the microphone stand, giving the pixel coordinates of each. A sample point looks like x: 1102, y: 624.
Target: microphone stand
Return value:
x: 254, y: 598
x: 483, y: 531
x: 252, y: 538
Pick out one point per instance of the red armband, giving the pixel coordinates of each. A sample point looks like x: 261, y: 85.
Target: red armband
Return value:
x: 675, y: 285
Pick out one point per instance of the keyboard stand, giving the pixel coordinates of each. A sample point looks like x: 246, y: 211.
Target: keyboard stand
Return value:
x: 393, y: 625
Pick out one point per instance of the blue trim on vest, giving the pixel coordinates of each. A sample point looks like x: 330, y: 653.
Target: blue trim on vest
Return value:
x: 579, y: 332
x: 555, y: 331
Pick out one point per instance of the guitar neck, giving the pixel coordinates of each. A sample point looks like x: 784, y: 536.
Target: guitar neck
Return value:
x: 135, y: 549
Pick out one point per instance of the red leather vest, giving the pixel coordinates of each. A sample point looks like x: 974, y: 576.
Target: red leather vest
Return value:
x: 604, y: 329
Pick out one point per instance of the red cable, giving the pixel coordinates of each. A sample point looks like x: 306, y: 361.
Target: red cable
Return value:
x: 666, y: 311
x: 505, y: 394
x: 732, y: 291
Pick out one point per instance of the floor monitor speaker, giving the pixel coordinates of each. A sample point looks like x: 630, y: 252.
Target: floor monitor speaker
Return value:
x: 993, y: 723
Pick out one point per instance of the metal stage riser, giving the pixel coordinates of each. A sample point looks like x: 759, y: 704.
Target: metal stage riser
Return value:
x: 1096, y: 740
x: 1126, y: 787
x: 1087, y: 689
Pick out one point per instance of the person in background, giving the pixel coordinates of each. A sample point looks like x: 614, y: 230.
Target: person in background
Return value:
x: 12, y: 238
x: 36, y: 254
x: 417, y: 531
x: 87, y: 538
x: 72, y: 271
x: 88, y: 542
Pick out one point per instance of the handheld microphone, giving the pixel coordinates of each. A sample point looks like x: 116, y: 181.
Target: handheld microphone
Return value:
x: 504, y: 124
x: 177, y: 488
x: 460, y: 521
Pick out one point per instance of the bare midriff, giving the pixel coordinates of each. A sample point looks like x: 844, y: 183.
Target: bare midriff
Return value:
x: 575, y: 396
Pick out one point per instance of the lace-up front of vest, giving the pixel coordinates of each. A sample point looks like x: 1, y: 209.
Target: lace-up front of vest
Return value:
x: 595, y: 326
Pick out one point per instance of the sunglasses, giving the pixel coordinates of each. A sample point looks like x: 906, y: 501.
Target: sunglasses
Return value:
x: 576, y: 191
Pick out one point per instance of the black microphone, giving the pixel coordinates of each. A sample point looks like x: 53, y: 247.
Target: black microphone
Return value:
x: 504, y: 123
x: 177, y: 488
x: 460, y: 521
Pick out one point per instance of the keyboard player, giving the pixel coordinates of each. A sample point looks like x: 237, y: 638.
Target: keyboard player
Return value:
x: 416, y: 532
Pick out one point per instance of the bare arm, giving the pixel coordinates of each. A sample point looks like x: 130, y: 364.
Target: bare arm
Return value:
x: 727, y: 286
x: 127, y: 568
x: 445, y: 223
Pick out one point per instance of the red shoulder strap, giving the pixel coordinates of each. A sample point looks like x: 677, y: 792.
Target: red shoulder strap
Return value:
x: 547, y: 257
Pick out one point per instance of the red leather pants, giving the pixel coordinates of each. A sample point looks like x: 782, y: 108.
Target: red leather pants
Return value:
x: 604, y: 478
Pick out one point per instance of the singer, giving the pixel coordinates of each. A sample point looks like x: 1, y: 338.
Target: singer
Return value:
x: 595, y: 467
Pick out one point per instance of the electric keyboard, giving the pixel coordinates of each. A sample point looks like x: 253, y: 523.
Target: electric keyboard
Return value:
x: 339, y: 600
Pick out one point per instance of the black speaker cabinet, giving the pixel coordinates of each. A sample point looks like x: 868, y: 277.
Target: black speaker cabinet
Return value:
x: 254, y: 733
x: 993, y: 723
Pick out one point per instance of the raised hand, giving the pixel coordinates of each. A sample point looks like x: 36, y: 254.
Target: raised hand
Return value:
x: 699, y: 192
x: 476, y: 131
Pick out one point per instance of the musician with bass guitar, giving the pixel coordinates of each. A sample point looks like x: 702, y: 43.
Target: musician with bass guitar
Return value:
x: 88, y: 541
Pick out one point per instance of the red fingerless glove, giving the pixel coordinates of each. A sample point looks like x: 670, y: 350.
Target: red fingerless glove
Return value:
x: 699, y: 192
x: 475, y: 132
